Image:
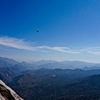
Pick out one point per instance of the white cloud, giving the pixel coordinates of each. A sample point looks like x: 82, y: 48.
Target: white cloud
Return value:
x: 16, y: 43
x: 65, y: 50
x: 26, y: 45
x: 92, y: 50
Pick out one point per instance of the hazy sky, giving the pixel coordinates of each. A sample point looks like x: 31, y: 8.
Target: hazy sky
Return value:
x: 67, y: 29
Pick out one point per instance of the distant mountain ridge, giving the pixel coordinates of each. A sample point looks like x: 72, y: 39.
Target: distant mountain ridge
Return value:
x: 50, y: 64
x: 65, y: 65
x: 8, y: 69
x: 6, y: 62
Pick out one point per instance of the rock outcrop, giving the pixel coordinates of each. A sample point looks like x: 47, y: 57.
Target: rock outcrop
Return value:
x: 6, y: 93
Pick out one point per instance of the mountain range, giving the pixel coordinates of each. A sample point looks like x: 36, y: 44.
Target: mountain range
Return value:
x: 48, y: 64
x: 52, y: 80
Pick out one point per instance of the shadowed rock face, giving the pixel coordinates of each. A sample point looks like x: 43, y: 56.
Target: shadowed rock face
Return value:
x: 7, y: 93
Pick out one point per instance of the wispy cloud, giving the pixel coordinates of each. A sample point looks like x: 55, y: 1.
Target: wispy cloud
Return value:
x: 92, y: 50
x: 15, y: 43
x: 26, y: 45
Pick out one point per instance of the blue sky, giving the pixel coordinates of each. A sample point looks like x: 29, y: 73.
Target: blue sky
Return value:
x: 68, y: 30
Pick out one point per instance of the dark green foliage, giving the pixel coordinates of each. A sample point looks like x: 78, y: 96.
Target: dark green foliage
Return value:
x: 57, y: 85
